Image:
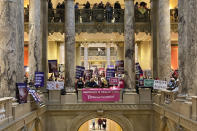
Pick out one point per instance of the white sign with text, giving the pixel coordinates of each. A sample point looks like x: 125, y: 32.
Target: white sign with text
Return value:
x: 159, y: 84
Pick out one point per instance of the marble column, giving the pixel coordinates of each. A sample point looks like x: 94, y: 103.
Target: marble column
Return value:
x: 154, y: 35
x: 182, y: 45
x: 191, y: 49
x: 164, y: 45
x: 129, y: 61
x: 20, y: 41
x: 69, y: 44
x: 86, y: 56
x: 108, y: 54
x: 35, y: 46
x: 8, y: 49
x: 44, y: 39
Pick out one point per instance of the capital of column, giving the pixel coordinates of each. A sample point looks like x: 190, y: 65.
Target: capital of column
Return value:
x: 108, y: 45
x: 85, y: 45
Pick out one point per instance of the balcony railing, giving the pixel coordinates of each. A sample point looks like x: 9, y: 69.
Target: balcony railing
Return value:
x: 93, y: 15
x: 101, y: 20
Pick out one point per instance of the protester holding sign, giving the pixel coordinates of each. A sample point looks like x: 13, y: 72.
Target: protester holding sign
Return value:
x: 80, y: 83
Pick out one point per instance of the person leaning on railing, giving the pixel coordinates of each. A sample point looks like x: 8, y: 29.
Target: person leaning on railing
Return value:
x: 117, y: 11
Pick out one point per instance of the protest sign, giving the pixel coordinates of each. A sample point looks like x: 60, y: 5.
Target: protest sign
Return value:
x: 110, y: 73
x: 22, y: 92
x: 39, y: 79
x: 52, y: 66
x: 79, y: 71
x: 113, y: 81
x: 148, y: 82
x: 159, y: 84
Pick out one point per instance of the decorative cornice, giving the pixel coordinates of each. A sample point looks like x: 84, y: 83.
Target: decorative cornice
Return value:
x: 95, y: 106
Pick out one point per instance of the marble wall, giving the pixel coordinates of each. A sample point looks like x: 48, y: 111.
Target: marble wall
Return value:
x: 8, y: 47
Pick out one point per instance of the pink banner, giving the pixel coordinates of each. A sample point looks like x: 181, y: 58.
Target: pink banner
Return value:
x: 100, y: 94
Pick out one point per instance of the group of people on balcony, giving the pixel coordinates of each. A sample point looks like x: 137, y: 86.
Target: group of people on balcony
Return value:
x: 141, y: 11
x: 99, y: 12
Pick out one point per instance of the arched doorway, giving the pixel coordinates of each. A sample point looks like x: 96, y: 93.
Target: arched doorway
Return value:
x: 105, y: 125
x: 125, y: 123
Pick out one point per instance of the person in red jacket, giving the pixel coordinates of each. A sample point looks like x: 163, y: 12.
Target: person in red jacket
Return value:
x: 121, y: 83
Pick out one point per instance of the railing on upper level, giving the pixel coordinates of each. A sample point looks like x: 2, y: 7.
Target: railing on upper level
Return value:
x: 93, y: 15
x: 101, y: 20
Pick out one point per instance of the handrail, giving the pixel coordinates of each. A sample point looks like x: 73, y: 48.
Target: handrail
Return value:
x: 93, y: 15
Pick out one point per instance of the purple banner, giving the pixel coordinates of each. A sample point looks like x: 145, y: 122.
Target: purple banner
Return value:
x: 100, y: 94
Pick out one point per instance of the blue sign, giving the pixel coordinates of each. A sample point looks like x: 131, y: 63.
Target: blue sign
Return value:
x: 110, y: 73
x: 22, y: 92
x: 39, y: 79
x: 35, y: 95
x: 79, y: 71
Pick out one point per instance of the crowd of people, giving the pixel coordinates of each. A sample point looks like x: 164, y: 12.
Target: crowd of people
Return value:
x: 141, y: 11
x: 97, y: 80
x: 173, y: 84
x: 102, y: 124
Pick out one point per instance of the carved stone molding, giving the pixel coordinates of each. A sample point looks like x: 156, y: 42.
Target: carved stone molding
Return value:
x: 86, y: 107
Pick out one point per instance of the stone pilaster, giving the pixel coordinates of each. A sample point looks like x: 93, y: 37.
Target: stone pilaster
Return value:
x: 191, y: 58
x: 108, y: 54
x: 183, y: 47
x: 35, y: 46
x: 86, y: 56
x: 69, y: 44
x: 120, y: 51
x: 164, y: 45
x: 20, y: 41
x: 129, y: 61
x: 62, y: 53
x: 44, y: 38
x: 8, y: 43
x: 78, y: 54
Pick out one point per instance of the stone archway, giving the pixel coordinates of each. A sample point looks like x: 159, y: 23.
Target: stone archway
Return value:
x: 125, y: 124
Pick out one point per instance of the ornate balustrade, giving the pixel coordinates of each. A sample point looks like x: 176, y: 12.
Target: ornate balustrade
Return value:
x: 100, y: 20
x: 94, y: 20
x: 5, y: 109
x: 167, y: 96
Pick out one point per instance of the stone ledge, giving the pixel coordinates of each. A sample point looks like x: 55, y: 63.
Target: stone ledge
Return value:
x: 176, y: 117
x: 25, y: 119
